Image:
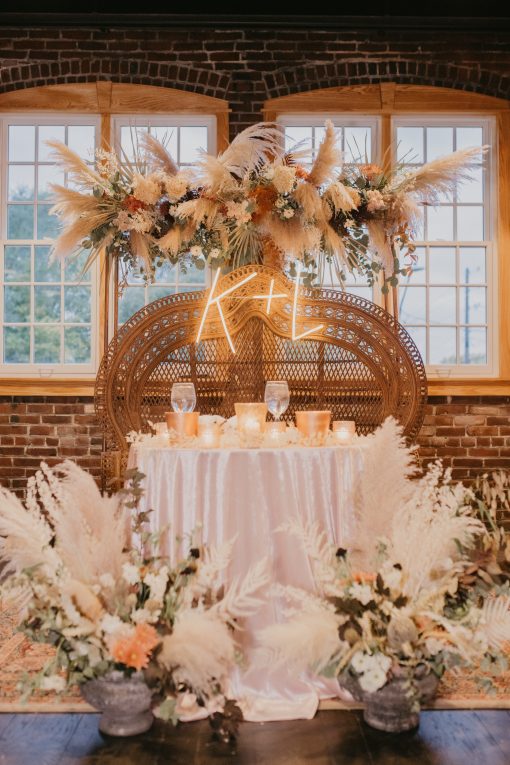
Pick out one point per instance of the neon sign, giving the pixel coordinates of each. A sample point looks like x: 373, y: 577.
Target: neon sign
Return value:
x: 270, y: 296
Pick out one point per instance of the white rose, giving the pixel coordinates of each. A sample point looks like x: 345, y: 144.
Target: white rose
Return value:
x: 110, y: 624
x: 359, y: 662
x: 157, y: 583
x: 53, y: 683
x: 130, y: 573
x: 146, y: 189
x: 143, y: 616
x: 361, y: 592
x: 196, y: 251
x: 372, y: 679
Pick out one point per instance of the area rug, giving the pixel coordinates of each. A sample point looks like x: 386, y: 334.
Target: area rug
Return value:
x: 19, y: 656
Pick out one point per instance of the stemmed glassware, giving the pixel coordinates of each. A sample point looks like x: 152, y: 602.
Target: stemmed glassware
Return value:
x: 277, y: 397
x: 183, y: 398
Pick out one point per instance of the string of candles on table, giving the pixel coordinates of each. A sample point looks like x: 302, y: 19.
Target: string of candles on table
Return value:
x: 185, y: 427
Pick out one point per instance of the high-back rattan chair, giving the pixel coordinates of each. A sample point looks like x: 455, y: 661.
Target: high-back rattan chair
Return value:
x: 357, y: 361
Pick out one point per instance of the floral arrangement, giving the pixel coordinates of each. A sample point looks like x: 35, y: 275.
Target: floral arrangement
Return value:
x: 416, y: 610
x: 253, y: 203
x: 111, y: 605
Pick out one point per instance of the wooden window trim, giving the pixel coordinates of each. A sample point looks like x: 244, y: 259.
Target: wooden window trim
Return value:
x: 390, y: 99
x: 105, y: 99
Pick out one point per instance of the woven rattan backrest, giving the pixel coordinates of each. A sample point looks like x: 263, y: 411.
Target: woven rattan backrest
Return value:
x: 360, y: 364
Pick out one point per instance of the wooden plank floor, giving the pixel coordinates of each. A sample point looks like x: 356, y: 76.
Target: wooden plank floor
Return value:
x: 331, y: 738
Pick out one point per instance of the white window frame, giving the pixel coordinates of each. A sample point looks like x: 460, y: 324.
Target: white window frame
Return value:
x: 160, y: 119
x: 490, y: 137
x: 31, y: 370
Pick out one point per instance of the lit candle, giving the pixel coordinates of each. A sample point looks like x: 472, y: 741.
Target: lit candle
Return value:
x: 344, y: 431
x: 251, y: 418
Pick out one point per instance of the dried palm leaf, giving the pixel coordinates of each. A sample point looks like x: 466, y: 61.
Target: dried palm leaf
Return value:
x: 440, y: 177
x: 328, y: 158
x: 141, y: 250
x: 379, y: 243
x: 69, y: 203
x: 74, y: 165
x: 73, y: 235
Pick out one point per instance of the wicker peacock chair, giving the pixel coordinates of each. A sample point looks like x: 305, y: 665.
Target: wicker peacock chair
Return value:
x: 360, y: 363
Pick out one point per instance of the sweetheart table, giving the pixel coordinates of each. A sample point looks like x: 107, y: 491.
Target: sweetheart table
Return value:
x: 248, y: 494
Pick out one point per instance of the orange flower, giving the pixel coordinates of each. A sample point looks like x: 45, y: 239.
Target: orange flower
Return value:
x: 370, y: 171
x: 133, y: 205
x: 302, y: 173
x: 134, y: 651
x: 362, y: 576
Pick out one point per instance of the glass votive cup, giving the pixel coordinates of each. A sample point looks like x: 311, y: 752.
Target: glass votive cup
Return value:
x: 313, y: 424
x: 184, y: 423
x: 251, y: 418
x: 209, y: 435
x: 275, y: 432
x: 344, y: 431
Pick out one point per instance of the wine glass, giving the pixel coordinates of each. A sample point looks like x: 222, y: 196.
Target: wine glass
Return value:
x: 277, y: 397
x: 183, y: 397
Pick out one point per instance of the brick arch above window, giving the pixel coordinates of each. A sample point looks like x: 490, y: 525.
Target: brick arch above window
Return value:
x: 368, y: 72
x: 20, y: 75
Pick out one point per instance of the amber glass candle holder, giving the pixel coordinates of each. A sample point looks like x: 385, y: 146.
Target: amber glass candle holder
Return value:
x: 184, y: 423
x: 251, y: 418
x: 344, y: 431
x: 313, y: 424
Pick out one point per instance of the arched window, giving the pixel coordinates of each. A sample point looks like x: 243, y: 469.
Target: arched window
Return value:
x: 454, y: 304
x: 52, y: 321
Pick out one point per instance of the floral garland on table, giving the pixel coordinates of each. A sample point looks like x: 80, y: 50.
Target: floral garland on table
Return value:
x: 108, y: 606
x: 436, y: 596
x: 252, y: 203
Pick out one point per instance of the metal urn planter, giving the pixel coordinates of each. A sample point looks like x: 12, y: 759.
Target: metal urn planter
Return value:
x: 125, y: 703
x: 395, y: 707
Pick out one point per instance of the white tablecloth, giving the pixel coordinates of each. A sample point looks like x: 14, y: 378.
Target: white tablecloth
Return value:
x: 248, y: 494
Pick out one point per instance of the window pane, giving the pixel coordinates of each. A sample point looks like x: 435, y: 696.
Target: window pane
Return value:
x: 419, y: 335
x: 192, y: 139
x: 192, y: 276
x: 47, y: 345
x: 472, y: 265
x: 47, y: 304
x: 442, y: 265
x: 471, y: 191
x: 168, y: 137
x: 442, y: 305
x: 49, y: 133
x: 47, y: 174
x: 77, y: 345
x: 470, y: 224
x: 73, y: 270
x: 131, y: 301
x: 469, y: 136
x: 442, y: 345
x: 363, y: 292
x: 80, y: 138
x: 295, y: 135
x: 20, y: 222
x: 16, y: 304
x: 16, y: 345
x: 16, y: 263
x: 77, y: 304
x: 419, y: 270
x: 440, y: 223
x: 357, y: 144
x: 21, y: 182
x: 166, y: 273
x: 439, y: 142
x: 47, y: 225
x: 412, y: 305
x: 473, y: 345
x: 410, y: 145
x: 472, y: 305
x: 21, y: 143
x: 154, y: 293
x: 43, y: 271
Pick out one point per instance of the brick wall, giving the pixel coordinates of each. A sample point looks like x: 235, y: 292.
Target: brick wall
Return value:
x: 470, y: 435
x: 246, y: 67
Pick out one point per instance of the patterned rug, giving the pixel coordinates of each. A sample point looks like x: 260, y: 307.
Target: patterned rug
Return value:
x: 19, y: 656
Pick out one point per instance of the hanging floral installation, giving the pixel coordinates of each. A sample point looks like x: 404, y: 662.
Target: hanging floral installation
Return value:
x: 253, y: 203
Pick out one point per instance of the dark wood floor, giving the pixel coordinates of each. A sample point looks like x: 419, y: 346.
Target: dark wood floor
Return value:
x: 332, y: 738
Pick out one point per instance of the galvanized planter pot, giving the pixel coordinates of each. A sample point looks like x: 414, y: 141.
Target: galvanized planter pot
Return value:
x: 125, y: 703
